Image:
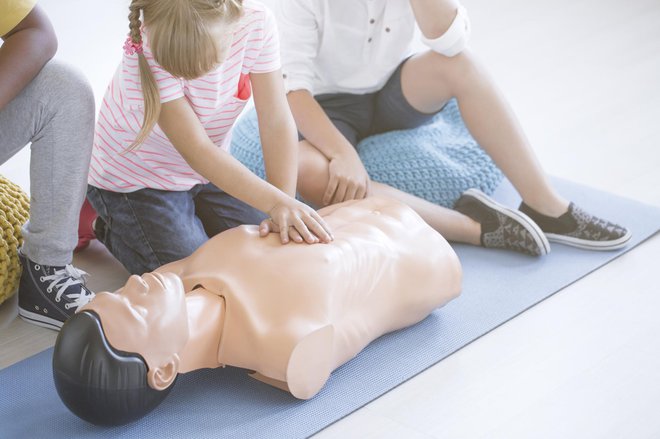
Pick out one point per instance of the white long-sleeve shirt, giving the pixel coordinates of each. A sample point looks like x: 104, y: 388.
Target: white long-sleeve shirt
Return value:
x: 343, y: 46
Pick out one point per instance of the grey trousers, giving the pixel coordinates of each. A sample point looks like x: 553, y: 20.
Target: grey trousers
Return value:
x: 55, y: 113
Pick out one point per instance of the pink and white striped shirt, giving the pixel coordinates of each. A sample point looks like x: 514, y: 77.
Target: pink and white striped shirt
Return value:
x: 217, y: 98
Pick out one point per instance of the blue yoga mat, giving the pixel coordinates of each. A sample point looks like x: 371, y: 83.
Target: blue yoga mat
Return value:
x: 225, y: 403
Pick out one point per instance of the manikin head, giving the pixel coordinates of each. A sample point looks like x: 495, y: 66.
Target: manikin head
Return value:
x: 117, y: 359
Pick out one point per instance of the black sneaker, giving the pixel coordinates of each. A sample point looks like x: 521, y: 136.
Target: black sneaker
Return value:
x: 49, y: 295
x: 502, y: 227
x: 578, y: 228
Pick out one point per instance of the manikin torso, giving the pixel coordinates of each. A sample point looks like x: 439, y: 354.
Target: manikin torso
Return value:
x: 293, y: 313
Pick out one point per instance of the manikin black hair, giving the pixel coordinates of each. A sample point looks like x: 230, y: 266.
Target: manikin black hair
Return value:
x: 96, y: 382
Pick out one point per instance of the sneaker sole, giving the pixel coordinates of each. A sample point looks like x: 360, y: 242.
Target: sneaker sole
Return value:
x: 537, y: 234
x: 590, y: 245
x: 39, y: 319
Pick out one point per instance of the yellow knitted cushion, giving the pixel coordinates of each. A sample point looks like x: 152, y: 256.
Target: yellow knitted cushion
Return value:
x: 14, y: 212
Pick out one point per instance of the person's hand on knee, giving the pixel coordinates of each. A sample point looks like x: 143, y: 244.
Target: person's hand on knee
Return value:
x: 348, y: 180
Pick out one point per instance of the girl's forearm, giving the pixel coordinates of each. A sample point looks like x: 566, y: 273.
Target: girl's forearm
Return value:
x: 228, y: 174
x: 279, y: 139
x: 279, y: 136
x: 181, y: 125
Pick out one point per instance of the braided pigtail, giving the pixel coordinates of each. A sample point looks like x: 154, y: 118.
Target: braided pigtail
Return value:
x: 147, y: 80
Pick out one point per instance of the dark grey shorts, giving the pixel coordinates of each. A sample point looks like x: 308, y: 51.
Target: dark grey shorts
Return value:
x: 360, y: 116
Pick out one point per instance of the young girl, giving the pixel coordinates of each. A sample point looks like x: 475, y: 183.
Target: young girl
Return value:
x: 351, y: 72
x: 161, y: 177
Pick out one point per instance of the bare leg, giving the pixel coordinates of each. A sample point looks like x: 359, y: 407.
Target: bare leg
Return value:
x: 454, y: 226
x: 429, y: 80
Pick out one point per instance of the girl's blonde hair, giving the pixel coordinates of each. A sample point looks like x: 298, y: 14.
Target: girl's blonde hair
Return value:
x: 180, y: 41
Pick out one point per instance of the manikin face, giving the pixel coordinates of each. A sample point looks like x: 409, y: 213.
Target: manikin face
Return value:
x: 148, y: 317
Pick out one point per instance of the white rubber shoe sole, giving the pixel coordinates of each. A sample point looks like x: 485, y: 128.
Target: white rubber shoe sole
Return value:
x: 590, y: 245
x: 39, y: 319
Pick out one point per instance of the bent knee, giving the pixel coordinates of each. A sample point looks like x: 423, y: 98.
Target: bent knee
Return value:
x: 66, y: 88
x: 455, y: 68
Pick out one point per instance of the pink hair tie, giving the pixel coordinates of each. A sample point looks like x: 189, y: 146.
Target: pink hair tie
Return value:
x: 131, y: 47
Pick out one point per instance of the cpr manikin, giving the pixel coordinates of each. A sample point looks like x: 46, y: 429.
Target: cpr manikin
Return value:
x: 291, y: 313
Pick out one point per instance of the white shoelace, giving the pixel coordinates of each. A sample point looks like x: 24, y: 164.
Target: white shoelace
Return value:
x: 63, y: 279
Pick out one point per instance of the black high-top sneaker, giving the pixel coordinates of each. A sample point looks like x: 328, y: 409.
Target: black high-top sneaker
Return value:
x: 502, y: 227
x: 49, y: 295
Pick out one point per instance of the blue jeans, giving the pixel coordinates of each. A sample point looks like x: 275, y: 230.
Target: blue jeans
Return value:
x: 149, y: 228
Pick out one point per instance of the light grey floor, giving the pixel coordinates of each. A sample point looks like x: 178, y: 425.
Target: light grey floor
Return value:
x: 584, y: 78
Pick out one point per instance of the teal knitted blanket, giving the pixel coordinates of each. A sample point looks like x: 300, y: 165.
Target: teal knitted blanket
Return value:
x: 437, y: 161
